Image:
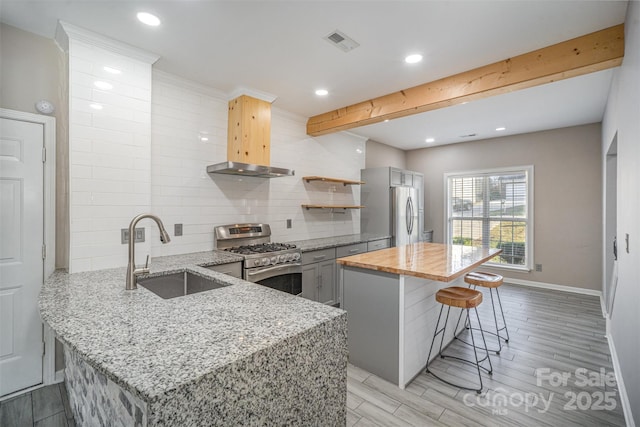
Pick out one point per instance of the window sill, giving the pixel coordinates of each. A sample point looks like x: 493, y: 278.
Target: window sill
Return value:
x: 523, y: 269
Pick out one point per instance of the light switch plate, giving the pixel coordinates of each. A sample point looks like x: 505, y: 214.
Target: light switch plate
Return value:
x: 177, y: 229
x: 288, y: 223
x: 124, y: 235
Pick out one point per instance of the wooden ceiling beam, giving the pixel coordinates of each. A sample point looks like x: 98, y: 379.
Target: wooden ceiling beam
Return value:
x: 586, y: 54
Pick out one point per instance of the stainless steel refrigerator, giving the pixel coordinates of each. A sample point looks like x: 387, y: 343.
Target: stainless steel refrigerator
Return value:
x: 392, y: 204
x: 404, y: 215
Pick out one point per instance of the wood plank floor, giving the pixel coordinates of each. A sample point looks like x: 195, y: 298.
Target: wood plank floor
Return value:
x: 551, y: 333
x: 45, y: 407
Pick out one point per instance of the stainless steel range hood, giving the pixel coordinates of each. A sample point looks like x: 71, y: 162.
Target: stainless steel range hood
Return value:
x: 245, y: 169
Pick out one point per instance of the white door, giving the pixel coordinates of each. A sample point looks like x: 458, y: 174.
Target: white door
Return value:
x: 21, y: 263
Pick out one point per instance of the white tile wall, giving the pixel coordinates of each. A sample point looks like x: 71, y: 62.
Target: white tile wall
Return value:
x: 182, y: 191
x: 109, y: 154
x: 143, y: 152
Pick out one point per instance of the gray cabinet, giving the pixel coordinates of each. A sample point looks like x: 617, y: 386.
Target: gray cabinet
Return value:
x: 400, y: 177
x: 376, y: 245
x: 319, y: 276
x: 376, y: 196
x: 232, y: 269
x: 354, y: 249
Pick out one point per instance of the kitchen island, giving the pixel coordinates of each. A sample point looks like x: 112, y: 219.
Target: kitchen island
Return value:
x: 242, y: 354
x: 389, y: 296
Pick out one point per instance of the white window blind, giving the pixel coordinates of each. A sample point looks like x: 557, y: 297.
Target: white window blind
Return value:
x: 492, y: 209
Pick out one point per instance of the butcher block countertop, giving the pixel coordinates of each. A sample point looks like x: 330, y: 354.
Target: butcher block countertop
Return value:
x: 434, y: 261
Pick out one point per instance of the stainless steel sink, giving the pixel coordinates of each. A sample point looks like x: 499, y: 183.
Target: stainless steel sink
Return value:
x: 178, y: 284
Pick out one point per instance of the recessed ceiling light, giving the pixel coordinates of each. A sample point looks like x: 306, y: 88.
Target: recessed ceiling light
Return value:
x: 430, y: 140
x: 112, y: 70
x: 412, y: 59
x: 386, y: 120
x: 149, y: 19
x: 103, y: 85
x: 322, y: 92
x: 96, y: 106
x: 501, y: 129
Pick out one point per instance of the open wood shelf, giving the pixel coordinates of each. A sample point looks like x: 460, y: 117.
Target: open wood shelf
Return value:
x: 332, y: 207
x: 336, y: 180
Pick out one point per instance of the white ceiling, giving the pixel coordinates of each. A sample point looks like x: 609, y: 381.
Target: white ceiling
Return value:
x: 277, y: 47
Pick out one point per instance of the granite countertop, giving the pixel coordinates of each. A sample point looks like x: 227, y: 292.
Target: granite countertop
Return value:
x: 435, y: 261
x: 149, y: 345
x: 332, y: 242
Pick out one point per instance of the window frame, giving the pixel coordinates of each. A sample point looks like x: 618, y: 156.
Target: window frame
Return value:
x: 529, y: 243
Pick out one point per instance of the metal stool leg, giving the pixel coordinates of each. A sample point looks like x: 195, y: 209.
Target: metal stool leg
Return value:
x: 477, y: 361
x: 495, y: 319
x: 504, y: 322
x: 435, y: 334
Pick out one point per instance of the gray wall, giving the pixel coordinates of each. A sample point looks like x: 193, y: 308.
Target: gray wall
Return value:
x: 622, y: 117
x: 381, y: 155
x: 567, y: 196
x: 33, y: 68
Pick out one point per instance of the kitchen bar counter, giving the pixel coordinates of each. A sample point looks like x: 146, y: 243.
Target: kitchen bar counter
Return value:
x: 389, y: 296
x: 433, y: 261
x: 242, y: 354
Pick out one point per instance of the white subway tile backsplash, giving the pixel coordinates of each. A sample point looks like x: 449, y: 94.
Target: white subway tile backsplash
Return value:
x: 208, y: 201
x: 109, y: 154
x: 143, y: 152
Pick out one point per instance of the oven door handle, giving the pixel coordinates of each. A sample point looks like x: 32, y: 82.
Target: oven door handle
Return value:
x: 293, y: 268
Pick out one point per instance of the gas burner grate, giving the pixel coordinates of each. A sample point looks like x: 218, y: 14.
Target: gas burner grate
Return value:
x: 260, y: 248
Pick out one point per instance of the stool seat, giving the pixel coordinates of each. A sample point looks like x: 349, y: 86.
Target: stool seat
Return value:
x: 456, y: 296
x: 486, y: 280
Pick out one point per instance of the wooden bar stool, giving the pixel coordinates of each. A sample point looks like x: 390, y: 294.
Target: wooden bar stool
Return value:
x: 466, y: 299
x: 491, y: 281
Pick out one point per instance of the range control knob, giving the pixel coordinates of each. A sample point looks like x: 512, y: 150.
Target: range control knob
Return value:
x: 264, y: 261
x: 296, y: 256
x: 274, y: 260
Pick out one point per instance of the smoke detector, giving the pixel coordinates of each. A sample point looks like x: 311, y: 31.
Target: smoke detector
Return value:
x: 341, y: 41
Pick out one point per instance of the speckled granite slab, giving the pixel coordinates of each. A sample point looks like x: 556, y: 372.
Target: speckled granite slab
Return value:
x: 332, y: 242
x: 237, y: 344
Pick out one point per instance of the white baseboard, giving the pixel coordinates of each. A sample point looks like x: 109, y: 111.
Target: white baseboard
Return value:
x: 554, y: 287
x: 59, y: 376
x: 624, y: 397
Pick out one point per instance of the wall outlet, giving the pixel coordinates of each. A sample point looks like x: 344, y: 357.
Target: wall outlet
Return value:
x: 288, y: 223
x: 538, y: 267
x: 177, y: 229
x: 124, y: 235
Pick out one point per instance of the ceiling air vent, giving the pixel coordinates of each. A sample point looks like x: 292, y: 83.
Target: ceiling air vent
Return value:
x: 341, y: 41
x: 469, y: 135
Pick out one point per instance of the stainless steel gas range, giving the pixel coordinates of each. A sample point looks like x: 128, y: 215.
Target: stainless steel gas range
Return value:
x: 276, y: 265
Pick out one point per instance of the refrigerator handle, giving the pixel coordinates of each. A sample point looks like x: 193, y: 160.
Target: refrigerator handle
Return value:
x: 410, y: 209
x: 407, y: 218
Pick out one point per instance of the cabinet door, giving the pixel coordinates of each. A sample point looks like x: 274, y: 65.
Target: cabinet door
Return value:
x: 327, y: 282
x: 395, y: 177
x: 407, y: 178
x: 310, y: 282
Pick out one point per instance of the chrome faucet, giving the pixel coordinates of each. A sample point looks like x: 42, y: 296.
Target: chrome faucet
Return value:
x: 132, y: 271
